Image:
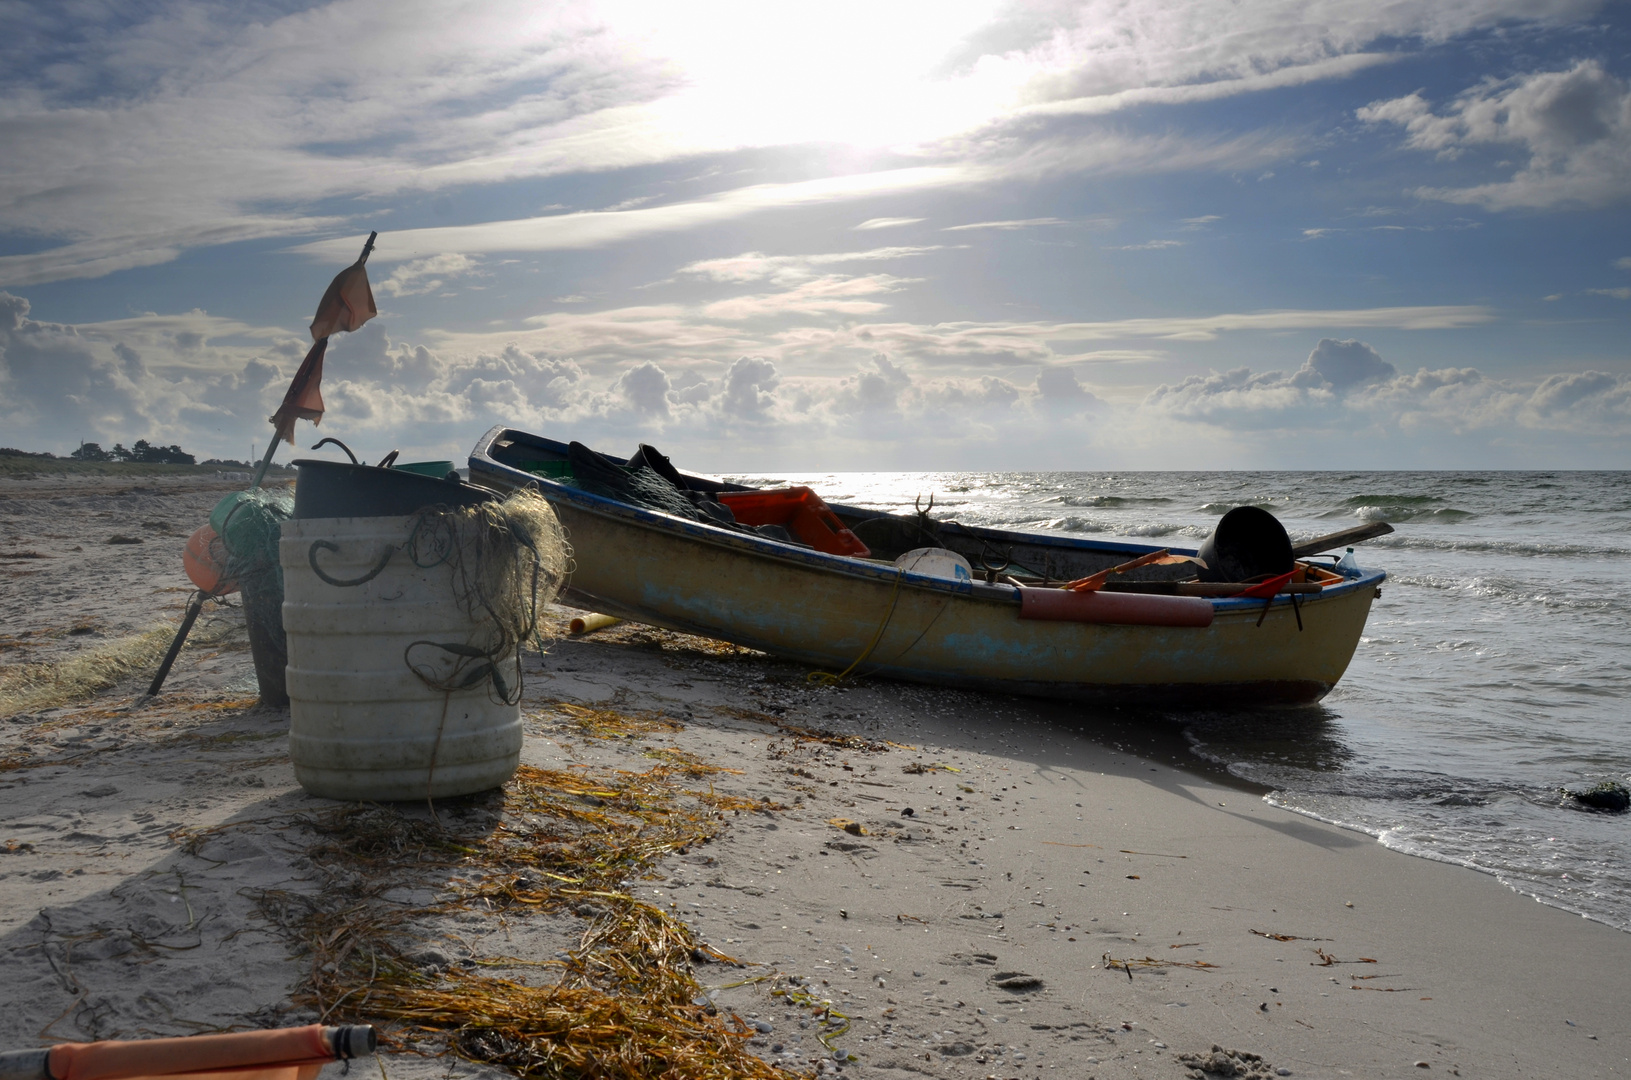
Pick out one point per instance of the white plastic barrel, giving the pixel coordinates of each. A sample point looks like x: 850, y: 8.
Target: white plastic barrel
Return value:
x: 362, y: 725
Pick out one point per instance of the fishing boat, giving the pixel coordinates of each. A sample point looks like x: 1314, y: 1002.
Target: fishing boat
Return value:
x: 852, y: 591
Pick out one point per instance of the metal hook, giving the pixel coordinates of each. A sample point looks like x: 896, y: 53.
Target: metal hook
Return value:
x: 324, y: 442
x: 993, y: 569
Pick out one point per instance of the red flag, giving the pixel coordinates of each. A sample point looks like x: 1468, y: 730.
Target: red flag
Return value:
x: 304, y: 401
x: 347, y: 304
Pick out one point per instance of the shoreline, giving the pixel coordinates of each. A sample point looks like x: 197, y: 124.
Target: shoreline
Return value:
x: 962, y: 942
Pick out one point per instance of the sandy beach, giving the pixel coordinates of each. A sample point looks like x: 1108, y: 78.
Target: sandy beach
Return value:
x: 888, y: 880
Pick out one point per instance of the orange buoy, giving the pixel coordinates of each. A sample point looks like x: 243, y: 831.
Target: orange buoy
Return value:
x: 205, y: 561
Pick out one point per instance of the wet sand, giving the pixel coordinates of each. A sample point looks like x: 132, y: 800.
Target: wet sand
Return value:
x: 1054, y: 904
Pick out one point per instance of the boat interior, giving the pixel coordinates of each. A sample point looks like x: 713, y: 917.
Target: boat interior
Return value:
x: 649, y: 481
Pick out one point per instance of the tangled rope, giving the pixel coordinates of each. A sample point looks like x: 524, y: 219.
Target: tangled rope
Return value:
x: 508, y: 561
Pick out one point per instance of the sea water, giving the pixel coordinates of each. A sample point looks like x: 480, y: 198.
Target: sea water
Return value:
x: 1494, y: 671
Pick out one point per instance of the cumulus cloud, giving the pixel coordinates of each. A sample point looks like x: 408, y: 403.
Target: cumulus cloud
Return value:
x: 750, y: 387
x: 829, y: 402
x: 1348, y: 384
x: 1057, y: 391
x: 61, y: 383
x: 1342, y: 364
x: 1574, y: 126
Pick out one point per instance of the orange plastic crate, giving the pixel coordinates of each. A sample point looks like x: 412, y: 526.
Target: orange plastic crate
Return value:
x: 801, y: 512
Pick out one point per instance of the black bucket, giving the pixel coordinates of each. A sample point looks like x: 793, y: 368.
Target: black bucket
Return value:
x: 334, y: 489
x: 1247, y: 543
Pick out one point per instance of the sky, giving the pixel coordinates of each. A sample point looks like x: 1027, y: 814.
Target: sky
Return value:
x: 1109, y: 234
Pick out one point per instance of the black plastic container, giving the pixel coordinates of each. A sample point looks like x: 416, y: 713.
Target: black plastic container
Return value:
x: 332, y: 489
x: 1247, y: 543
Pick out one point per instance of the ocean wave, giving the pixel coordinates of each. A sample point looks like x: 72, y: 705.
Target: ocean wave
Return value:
x: 1392, y: 500
x: 1513, y: 591
x: 1563, y: 886
x: 1273, y: 506
x: 1064, y: 524
x: 1109, y: 502
x: 1394, y: 513
x: 1498, y: 547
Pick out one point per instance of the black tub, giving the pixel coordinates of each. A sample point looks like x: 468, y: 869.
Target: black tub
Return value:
x: 332, y: 489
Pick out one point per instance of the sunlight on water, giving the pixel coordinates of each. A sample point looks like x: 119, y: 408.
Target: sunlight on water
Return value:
x: 1492, y: 672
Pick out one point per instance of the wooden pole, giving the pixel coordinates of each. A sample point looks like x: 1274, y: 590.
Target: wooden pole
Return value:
x: 187, y: 621
x: 1345, y: 538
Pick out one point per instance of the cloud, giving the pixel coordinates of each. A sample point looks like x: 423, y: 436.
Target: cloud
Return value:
x: 1573, y: 125
x: 1623, y: 264
x: 887, y: 222
x: 831, y: 293
x: 632, y: 334
x: 1619, y: 293
x: 61, y: 383
x: 824, y: 393
x: 598, y: 228
x: 137, y: 132
x: 1058, y: 392
x: 750, y: 385
x: 420, y: 276
x: 789, y: 269
x: 1150, y: 245
x: 978, y: 162
x: 1342, y: 364
x: 1007, y: 226
x: 1347, y: 385
x: 1336, y: 67
x: 646, y: 387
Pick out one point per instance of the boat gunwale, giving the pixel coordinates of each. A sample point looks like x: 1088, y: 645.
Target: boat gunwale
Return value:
x: 481, y: 461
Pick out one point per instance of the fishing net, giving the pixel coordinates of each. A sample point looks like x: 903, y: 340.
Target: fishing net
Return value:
x: 508, y: 560
x: 251, y: 524
x: 640, y: 485
x: 659, y: 487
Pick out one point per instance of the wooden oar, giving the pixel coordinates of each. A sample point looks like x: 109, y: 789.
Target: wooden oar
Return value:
x: 1341, y: 539
x: 1219, y: 589
x: 1094, y: 582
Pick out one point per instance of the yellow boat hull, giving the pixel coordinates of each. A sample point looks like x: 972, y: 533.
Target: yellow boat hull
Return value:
x: 839, y: 614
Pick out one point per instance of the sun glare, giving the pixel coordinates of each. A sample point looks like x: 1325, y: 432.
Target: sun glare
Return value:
x: 867, y: 75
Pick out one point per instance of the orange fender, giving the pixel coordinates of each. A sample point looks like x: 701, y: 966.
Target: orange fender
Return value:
x: 205, y: 562
x: 1123, y: 609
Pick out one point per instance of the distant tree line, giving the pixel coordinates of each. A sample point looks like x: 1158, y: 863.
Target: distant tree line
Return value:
x: 142, y: 453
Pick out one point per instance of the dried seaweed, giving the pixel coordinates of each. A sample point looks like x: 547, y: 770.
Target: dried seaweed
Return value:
x: 611, y: 724
x: 626, y: 1002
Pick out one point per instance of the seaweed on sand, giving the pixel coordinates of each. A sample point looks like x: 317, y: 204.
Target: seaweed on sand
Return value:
x: 625, y: 1002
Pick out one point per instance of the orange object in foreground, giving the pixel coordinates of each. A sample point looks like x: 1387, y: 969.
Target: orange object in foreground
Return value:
x: 1096, y: 581
x: 205, y: 562
x: 801, y: 511
x: 291, y: 1053
x: 1124, y: 609
x: 1273, y: 585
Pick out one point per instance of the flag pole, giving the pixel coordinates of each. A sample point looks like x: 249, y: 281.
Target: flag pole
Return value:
x: 271, y: 447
